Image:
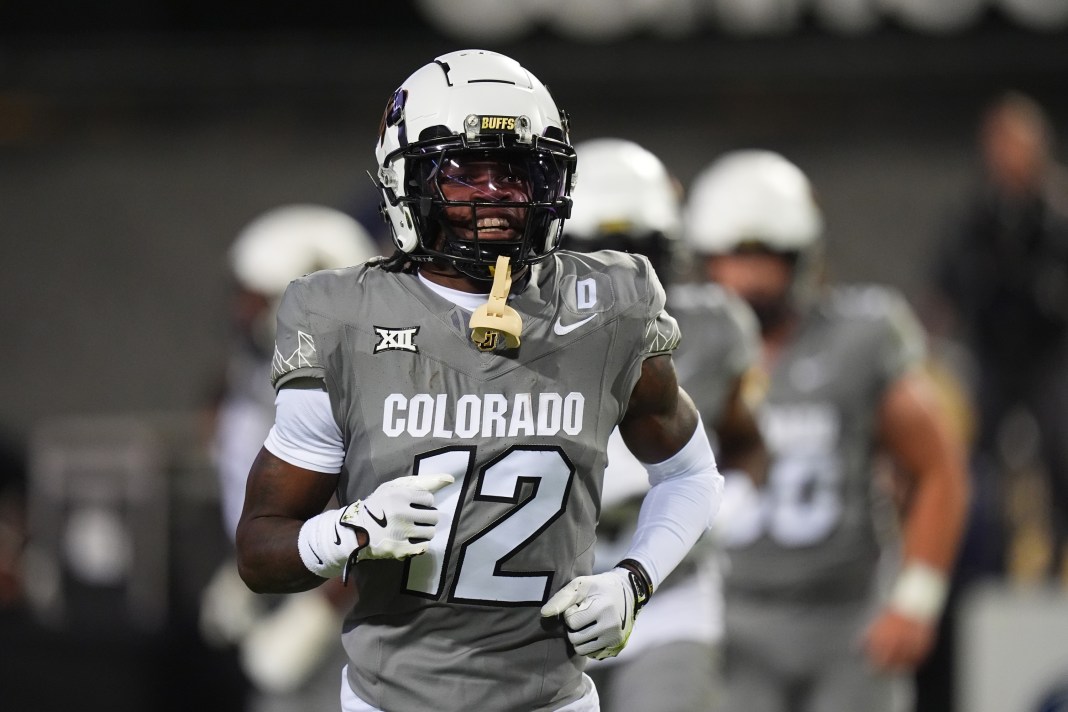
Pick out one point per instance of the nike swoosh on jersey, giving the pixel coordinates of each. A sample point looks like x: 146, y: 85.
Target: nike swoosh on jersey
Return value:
x: 337, y: 536
x: 380, y: 521
x: 561, y: 329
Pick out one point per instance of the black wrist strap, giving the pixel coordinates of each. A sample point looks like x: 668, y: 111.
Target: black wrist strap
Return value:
x: 639, y: 581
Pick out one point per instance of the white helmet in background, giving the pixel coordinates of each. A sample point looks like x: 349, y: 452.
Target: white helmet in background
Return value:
x: 752, y: 198
x: 463, y: 105
x: 624, y: 199
x: 293, y: 240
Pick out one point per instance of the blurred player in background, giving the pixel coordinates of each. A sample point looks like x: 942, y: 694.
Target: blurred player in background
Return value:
x: 285, y: 645
x: 808, y: 625
x: 459, y: 396
x: 625, y: 199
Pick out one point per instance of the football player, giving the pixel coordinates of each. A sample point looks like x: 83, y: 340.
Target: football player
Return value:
x: 459, y: 397
x: 285, y: 646
x: 808, y: 626
x: 625, y: 199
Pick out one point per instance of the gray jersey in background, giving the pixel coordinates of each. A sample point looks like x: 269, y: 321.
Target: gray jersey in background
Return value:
x: 801, y: 582
x: 721, y: 342
x: 812, y: 533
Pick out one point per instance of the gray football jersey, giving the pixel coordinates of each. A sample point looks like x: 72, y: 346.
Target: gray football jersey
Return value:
x: 722, y: 342
x: 811, y: 533
x: 523, y: 432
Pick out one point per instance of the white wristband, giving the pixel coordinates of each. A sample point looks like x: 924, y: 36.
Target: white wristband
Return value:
x: 920, y: 592
x: 324, y: 545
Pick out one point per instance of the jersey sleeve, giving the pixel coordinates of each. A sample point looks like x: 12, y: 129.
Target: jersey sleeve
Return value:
x: 295, y: 354
x: 902, y: 344
x: 662, y: 334
x: 744, y: 336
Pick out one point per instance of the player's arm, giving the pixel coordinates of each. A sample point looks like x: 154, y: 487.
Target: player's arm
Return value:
x: 660, y: 417
x: 279, y: 498
x: 283, y: 528
x: 743, y: 459
x: 741, y: 446
x: 662, y: 427
x: 916, y: 434
x: 742, y: 456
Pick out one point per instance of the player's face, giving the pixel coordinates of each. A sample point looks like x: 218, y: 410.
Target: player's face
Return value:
x: 760, y: 278
x: 485, y: 181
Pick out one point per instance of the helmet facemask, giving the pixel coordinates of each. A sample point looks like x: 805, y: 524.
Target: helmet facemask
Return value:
x: 472, y: 201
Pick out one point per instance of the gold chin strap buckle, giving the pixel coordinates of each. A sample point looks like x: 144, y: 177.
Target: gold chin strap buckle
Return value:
x: 495, y: 320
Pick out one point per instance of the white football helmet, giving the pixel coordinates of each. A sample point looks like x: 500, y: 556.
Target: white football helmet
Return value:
x: 758, y: 200
x: 290, y: 241
x: 624, y: 199
x: 467, y: 105
x: 752, y: 198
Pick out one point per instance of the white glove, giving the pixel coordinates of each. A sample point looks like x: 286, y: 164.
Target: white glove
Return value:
x: 285, y: 648
x: 599, y: 611
x: 398, y: 518
x: 228, y: 609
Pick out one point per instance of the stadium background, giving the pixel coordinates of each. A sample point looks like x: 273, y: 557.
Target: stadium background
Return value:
x: 137, y: 138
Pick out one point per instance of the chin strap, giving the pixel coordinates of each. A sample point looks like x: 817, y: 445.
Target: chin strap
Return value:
x: 495, y: 319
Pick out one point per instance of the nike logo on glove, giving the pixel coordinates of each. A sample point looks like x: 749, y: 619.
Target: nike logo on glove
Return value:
x: 561, y: 329
x: 380, y: 521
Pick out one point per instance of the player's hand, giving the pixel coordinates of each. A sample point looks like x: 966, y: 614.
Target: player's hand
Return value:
x: 285, y: 648
x: 598, y: 611
x: 896, y: 643
x: 228, y: 609
x: 398, y: 518
x: 395, y: 521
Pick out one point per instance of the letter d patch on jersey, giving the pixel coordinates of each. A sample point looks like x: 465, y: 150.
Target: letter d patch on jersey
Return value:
x: 396, y: 339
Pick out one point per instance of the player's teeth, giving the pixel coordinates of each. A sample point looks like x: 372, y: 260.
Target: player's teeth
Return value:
x: 491, y: 222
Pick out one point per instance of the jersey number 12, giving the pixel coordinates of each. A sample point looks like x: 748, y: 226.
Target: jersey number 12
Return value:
x: 480, y: 575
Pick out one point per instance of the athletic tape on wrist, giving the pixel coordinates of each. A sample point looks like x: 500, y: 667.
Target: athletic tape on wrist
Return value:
x: 920, y: 592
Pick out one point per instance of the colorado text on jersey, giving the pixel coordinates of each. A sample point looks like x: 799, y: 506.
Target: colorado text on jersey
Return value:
x: 487, y: 415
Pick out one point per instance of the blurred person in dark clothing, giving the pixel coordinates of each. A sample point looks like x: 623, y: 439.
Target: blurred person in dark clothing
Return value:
x: 1002, y: 276
x: 1001, y: 283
